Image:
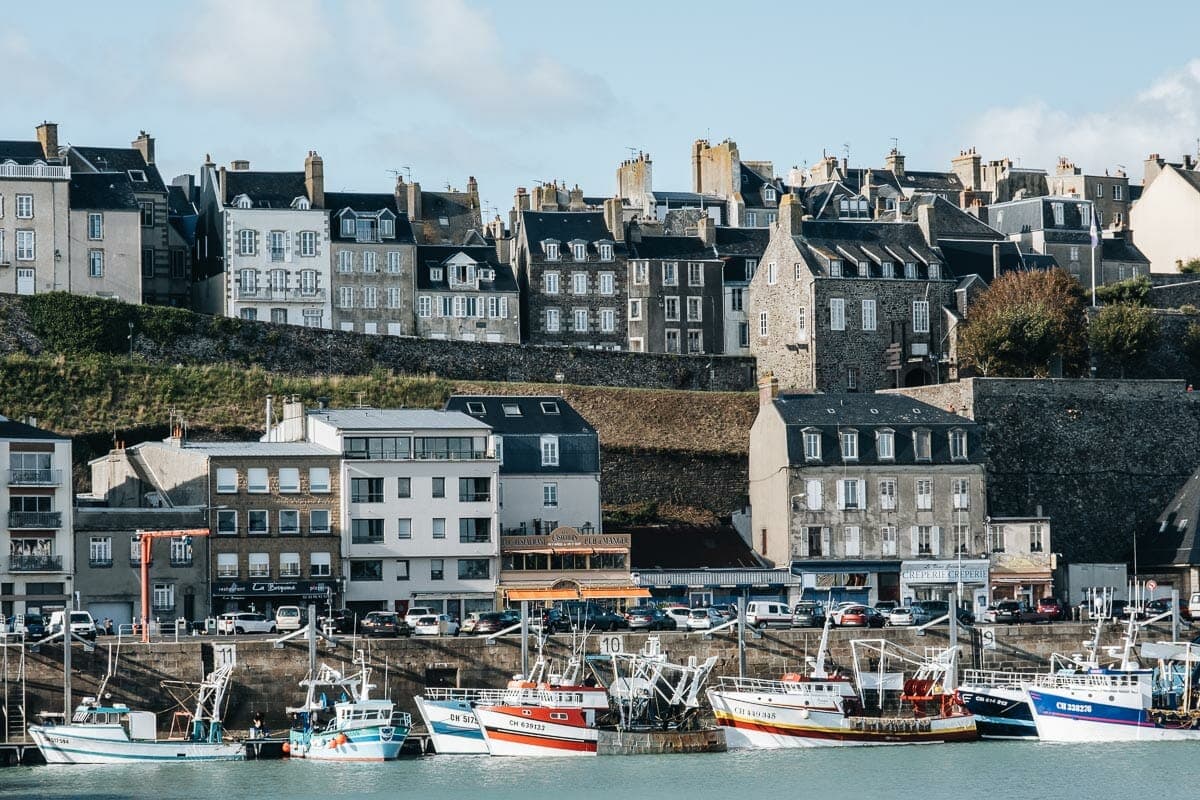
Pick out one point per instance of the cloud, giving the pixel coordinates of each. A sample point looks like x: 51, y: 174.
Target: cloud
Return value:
x: 1162, y: 118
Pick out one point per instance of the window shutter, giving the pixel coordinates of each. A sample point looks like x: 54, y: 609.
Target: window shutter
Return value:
x: 826, y: 543
x: 841, y: 495
x: 916, y: 548
x: 255, y: 242
x: 814, y: 495
x: 935, y: 543
x: 287, y: 246
x: 803, y: 549
x: 862, y: 493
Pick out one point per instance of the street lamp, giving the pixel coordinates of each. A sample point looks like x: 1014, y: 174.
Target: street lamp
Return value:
x: 145, y: 539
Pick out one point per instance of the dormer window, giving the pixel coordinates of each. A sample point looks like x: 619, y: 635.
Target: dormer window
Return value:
x: 551, y: 250
x: 921, y: 445
x: 606, y: 251
x: 888, y: 269
x: 1059, y: 216
x: 885, y: 444
x: 849, y: 442
x: 910, y: 270
x: 387, y: 227
x: 812, y: 444
x: 935, y: 270
x: 435, y: 273
x: 242, y: 201
x: 579, y: 251
x: 348, y: 225
x: 958, y: 444
x: 302, y: 204
x: 835, y: 268
x: 769, y: 194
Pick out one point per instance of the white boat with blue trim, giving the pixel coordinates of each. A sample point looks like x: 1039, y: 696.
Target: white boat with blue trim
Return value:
x: 116, y: 734
x: 353, y: 728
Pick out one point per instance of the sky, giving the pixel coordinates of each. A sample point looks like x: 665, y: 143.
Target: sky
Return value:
x: 525, y: 91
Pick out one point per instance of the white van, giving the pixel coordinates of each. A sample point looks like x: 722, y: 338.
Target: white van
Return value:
x: 287, y: 618
x: 768, y: 613
x: 1193, y: 606
x: 82, y: 623
x: 416, y: 612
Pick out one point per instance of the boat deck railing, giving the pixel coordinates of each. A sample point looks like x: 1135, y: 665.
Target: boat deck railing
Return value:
x: 401, y: 719
x: 997, y: 677
x: 1088, y: 679
x: 481, y: 695
x: 734, y: 684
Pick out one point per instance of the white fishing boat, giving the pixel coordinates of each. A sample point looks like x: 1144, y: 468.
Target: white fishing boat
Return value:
x: 116, y: 734
x: 824, y: 710
x: 354, y: 727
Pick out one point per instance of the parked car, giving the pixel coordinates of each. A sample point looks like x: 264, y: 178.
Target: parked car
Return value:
x: 436, y: 625
x: 416, y: 612
x: 584, y: 615
x: 81, y: 623
x: 1052, y: 609
x: 858, y: 617
x: 900, y: 616
x: 384, y: 623
x: 988, y: 615
x: 244, y: 622
x: 702, y: 619
x: 288, y: 618
x: 767, y: 613
x: 1013, y: 612
x: 927, y: 610
x: 1162, y: 605
x: 885, y: 607
x: 490, y: 622
x: 33, y: 627
x: 552, y: 621
x: 469, y: 622
x: 727, y: 610
x: 808, y: 614
x: 649, y: 618
x: 342, y: 621
x: 1193, y: 605
x: 678, y: 614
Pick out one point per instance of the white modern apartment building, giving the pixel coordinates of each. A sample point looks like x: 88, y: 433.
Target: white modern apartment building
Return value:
x: 35, y: 575
x: 264, y: 244
x: 420, y: 507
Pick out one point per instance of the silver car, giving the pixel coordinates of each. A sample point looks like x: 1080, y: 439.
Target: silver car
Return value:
x: 901, y: 615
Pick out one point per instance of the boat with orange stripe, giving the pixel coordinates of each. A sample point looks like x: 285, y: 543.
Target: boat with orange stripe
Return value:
x: 538, y: 730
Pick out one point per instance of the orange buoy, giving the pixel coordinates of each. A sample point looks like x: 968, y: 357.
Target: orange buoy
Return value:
x: 287, y: 748
x: 341, y: 739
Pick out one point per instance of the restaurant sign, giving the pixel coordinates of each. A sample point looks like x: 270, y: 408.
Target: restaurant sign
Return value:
x: 310, y: 590
x: 568, y: 537
x: 964, y: 571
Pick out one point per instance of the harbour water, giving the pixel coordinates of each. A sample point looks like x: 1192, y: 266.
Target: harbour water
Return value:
x: 953, y: 772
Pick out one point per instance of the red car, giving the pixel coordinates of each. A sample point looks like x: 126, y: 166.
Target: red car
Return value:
x: 1051, y: 609
x: 858, y: 617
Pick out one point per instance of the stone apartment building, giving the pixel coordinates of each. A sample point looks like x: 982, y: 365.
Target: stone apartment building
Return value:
x: 571, y: 270
x: 273, y: 514
x: 264, y: 244
x: 450, y: 217
x: 640, y: 200
x: 740, y: 251
x: 1109, y: 193
x: 165, y: 279
x: 750, y: 189
x: 34, y: 195
x: 372, y: 253
x: 675, y: 294
x: 466, y: 294
x: 840, y: 306
x: 997, y: 181
x: 37, y: 565
x: 865, y: 494
x: 419, y: 504
x: 106, y: 237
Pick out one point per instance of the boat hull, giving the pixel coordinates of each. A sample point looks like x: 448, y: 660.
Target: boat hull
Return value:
x: 370, y: 743
x: 452, y: 726
x: 533, y: 731
x: 1001, y: 712
x: 66, y: 744
x: 765, y: 721
x: 1062, y: 716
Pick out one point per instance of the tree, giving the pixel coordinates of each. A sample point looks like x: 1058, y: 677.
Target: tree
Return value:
x: 1022, y: 323
x: 1191, y: 266
x: 1132, y: 290
x: 1123, y: 333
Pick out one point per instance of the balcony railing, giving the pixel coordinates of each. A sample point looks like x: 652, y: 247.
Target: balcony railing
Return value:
x: 225, y: 572
x: 35, y: 519
x: 366, y: 539
x: 474, y: 497
x: 181, y: 562
x: 35, y: 564
x: 34, y: 171
x: 281, y: 295
x: 34, y: 477
x: 162, y: 608
x: 100, y: 563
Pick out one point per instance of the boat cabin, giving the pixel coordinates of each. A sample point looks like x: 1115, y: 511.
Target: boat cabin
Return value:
x: 139, y: 725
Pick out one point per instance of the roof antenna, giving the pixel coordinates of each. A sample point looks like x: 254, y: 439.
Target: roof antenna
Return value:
x: 896, y: 144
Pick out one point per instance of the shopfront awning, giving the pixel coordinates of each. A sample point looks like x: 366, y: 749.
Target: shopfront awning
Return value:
x: 1028, y: 577
x: 544, y: 593
x: 614, y: 592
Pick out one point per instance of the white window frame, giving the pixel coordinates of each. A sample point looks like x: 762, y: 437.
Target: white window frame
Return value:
x: 920, y: 316
x: 670, y: 273
x: 671, y: 308
x: 608, y: 281
x: 958, y: 444
x: 837, y: 314
x: 763, y: 330
x: 869, y: 318
x: 923, y: 492
x: 885, y: 444
x: 608, y: 320
x: 553, y: 322
x: 695, y: 309
x: 849, y: 443
x: 635, y: 309
x: 801, y: 324
x: 550, y: 494
x: 695, y: 273
x: 549, y: 449
x: 24, y: 206
x: 772, y: 273
x: 579, y: 283
x: 812, y: 444
x: 550, y: 282
x: 887, y: 495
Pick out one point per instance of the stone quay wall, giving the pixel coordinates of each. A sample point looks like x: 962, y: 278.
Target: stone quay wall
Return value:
x: 266, y: 679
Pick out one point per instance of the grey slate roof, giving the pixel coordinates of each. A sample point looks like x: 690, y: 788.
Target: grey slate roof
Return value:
x: 246, y: 449
x: 102, y: 191
x: 265, y: 189
x: 741, y: 241
x: 21, y: 152
x: 435, y: 255
x: 669, y: 247
x: 1121, y: 249
x: 566, y: 226
x: 578, y: 443
x: 178, y: 203
x: 919, y: 180
x: 367, y: 203
x: 872, y: 242
x: 868, y: 413
x: 977, y: 257
x: 122, y: 159
x: 10, y: 429
x: 1174, y: 542
x: 1036, y: 214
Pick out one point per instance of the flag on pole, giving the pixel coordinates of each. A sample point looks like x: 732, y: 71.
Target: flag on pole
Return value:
x: 1092, y: 229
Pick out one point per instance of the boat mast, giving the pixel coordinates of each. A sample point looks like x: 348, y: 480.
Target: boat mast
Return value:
x: 818, y: 670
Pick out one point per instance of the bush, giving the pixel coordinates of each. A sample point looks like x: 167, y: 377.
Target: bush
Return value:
x: 71, y: 324
x: 1124, y: 333
x: 1132, y: 291
x: 1190, y: 267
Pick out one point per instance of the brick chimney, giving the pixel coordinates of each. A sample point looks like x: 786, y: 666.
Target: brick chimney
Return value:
x: 144, y: 144
x: 314, y: 179
x: 614, y: 218
x: 473, y: 191
x: 223, y: 185
x: 706, y: 229
x: 791, y: 214
x: 414, y: 200
x: 47, y: 134
x: 240, y: 165
x: 966, y: 167
x: 575, y: 202
x: 768, y: 389
x: 895, y: 162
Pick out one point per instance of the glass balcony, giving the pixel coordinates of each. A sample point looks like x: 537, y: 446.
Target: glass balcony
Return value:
x: 35, y: 563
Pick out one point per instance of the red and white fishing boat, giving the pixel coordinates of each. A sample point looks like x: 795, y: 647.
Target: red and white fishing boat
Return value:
x: 554, y: 720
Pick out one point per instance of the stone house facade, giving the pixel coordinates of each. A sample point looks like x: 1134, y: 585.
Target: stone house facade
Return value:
x: 34, y: 191
x: 840, y: 306
x: 372, y: 255
x: 466, y: 294
x: 675, y: 295
x: 264, y: 244
x: 450, y: 217
x: 847, y: 487
x: 1109, y: 193
x: 750, y: 189
x: 741, y: 251
x: 38, y: 520
x: 571, y: 268
x: 106, y: 237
